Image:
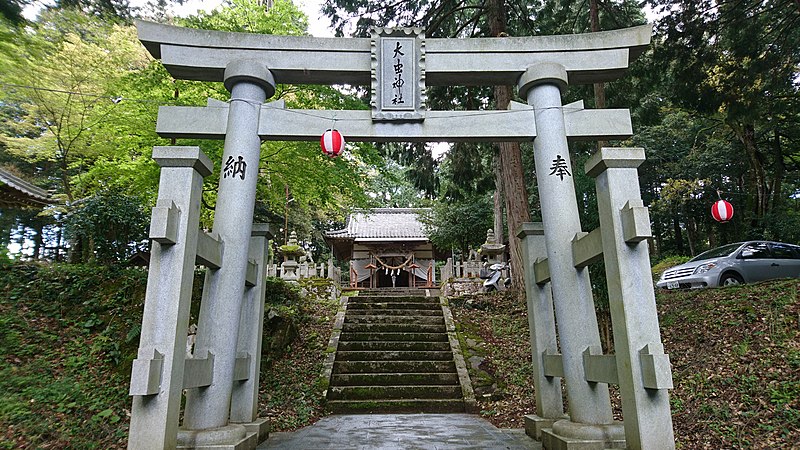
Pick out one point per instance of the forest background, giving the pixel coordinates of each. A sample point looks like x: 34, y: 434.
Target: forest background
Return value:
x: 714, y: 104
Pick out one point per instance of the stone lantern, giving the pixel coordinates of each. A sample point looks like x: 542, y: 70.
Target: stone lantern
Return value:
x: 291, y: 251
x: 491, y: 248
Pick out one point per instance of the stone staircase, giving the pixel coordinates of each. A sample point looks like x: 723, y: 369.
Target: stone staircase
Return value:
x: 394, y: 356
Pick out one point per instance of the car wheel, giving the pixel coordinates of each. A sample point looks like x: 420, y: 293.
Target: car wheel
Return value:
x: 730, y: 279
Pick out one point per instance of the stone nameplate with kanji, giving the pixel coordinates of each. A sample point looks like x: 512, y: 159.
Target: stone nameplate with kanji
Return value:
x: 398, y: 74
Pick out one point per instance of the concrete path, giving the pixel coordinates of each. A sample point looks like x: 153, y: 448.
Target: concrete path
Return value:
x: 401, y: 432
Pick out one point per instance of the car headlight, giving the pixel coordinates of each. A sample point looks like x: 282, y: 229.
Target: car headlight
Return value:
x: 703, y: 268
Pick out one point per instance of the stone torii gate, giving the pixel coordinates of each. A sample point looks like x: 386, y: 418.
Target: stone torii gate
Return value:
x: 221, y: 374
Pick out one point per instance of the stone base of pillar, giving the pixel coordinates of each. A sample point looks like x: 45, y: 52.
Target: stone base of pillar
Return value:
x: 566, y: 435
x: 229, y: 437
x: 535, y: 424
x: 259, y: 426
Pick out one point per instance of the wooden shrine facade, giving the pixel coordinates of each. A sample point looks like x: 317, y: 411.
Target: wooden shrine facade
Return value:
x: 386, y: 247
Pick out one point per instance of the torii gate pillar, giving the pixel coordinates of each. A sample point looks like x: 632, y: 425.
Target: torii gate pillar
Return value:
x: 589, y: 403
x: 208, y: 408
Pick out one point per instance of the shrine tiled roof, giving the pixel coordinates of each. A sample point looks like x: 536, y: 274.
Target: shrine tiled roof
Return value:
x: 382, y: 224
x: 18, y: 193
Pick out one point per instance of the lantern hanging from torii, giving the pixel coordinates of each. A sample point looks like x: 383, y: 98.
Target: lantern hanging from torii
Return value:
x: 332, y: 142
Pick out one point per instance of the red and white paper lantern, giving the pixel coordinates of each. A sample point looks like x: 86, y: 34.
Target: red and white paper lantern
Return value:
x: 722, y: 211
x: 332, y: 143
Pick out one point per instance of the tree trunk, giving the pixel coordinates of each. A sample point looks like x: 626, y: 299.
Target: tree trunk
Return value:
x: 659, y: 240
x: 747, y: 136
x: 780, y: 170
x: 499, y: 197
x: 713, y: 238
x: 514, y: 188
x: 691, y: 236
x: 38, y: 241
x: 58, y: 242
x: 676, y: 228
x: 599, y: 88
x: 517, y: 210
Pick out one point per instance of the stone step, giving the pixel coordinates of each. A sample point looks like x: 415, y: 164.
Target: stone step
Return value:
x: 394, y: 379
x: 392, y: 328
x: 394, y: 299
x: 393, y: 392
x: 393, y: 345
x: 383, y: 355
x: 404, y: 294
x: 393, y: 305
x: 394, y: 312
x: 376, y: 319
x: 393, y: 366
x: 396, y: 406
x: 350, y: 336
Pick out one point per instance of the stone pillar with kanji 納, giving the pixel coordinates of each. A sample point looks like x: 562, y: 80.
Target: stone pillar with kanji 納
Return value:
x: 208, y: 407
x: 589, y: 402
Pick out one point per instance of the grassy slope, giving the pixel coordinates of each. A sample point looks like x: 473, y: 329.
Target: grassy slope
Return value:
x: 735, y: 355
x: 291, y: 393
x: 499, y: 324
x: 736, y: 365
x: 68, y: 335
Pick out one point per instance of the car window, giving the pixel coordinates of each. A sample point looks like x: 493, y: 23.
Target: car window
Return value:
x: 784, y: 251
x: 718, y: 252
x: 756, y: 250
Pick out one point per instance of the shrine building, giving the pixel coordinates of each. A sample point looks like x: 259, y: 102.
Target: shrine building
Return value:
x: 386, y: 247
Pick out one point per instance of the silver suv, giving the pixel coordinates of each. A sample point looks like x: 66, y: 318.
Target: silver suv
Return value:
x: 742, y: 262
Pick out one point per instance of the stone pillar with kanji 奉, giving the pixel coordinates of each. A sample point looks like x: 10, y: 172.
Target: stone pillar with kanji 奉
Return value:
x: 589, y: 402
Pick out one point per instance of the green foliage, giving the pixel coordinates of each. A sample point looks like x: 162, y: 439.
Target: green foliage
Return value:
x: 64, y: 74
x: 724, y: 79
x: 69, y: 335
x: 112, y: 225
x: 81, y: 119
x: 320, y: 188
x: 279, y: 292
x: 459, y: 225
x: 392, y: 188
x: 251, y: 16
x: 292, y: 250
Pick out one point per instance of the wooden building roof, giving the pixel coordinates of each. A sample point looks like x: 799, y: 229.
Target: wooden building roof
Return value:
x: 375, y: 226
x: 18, y: 193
